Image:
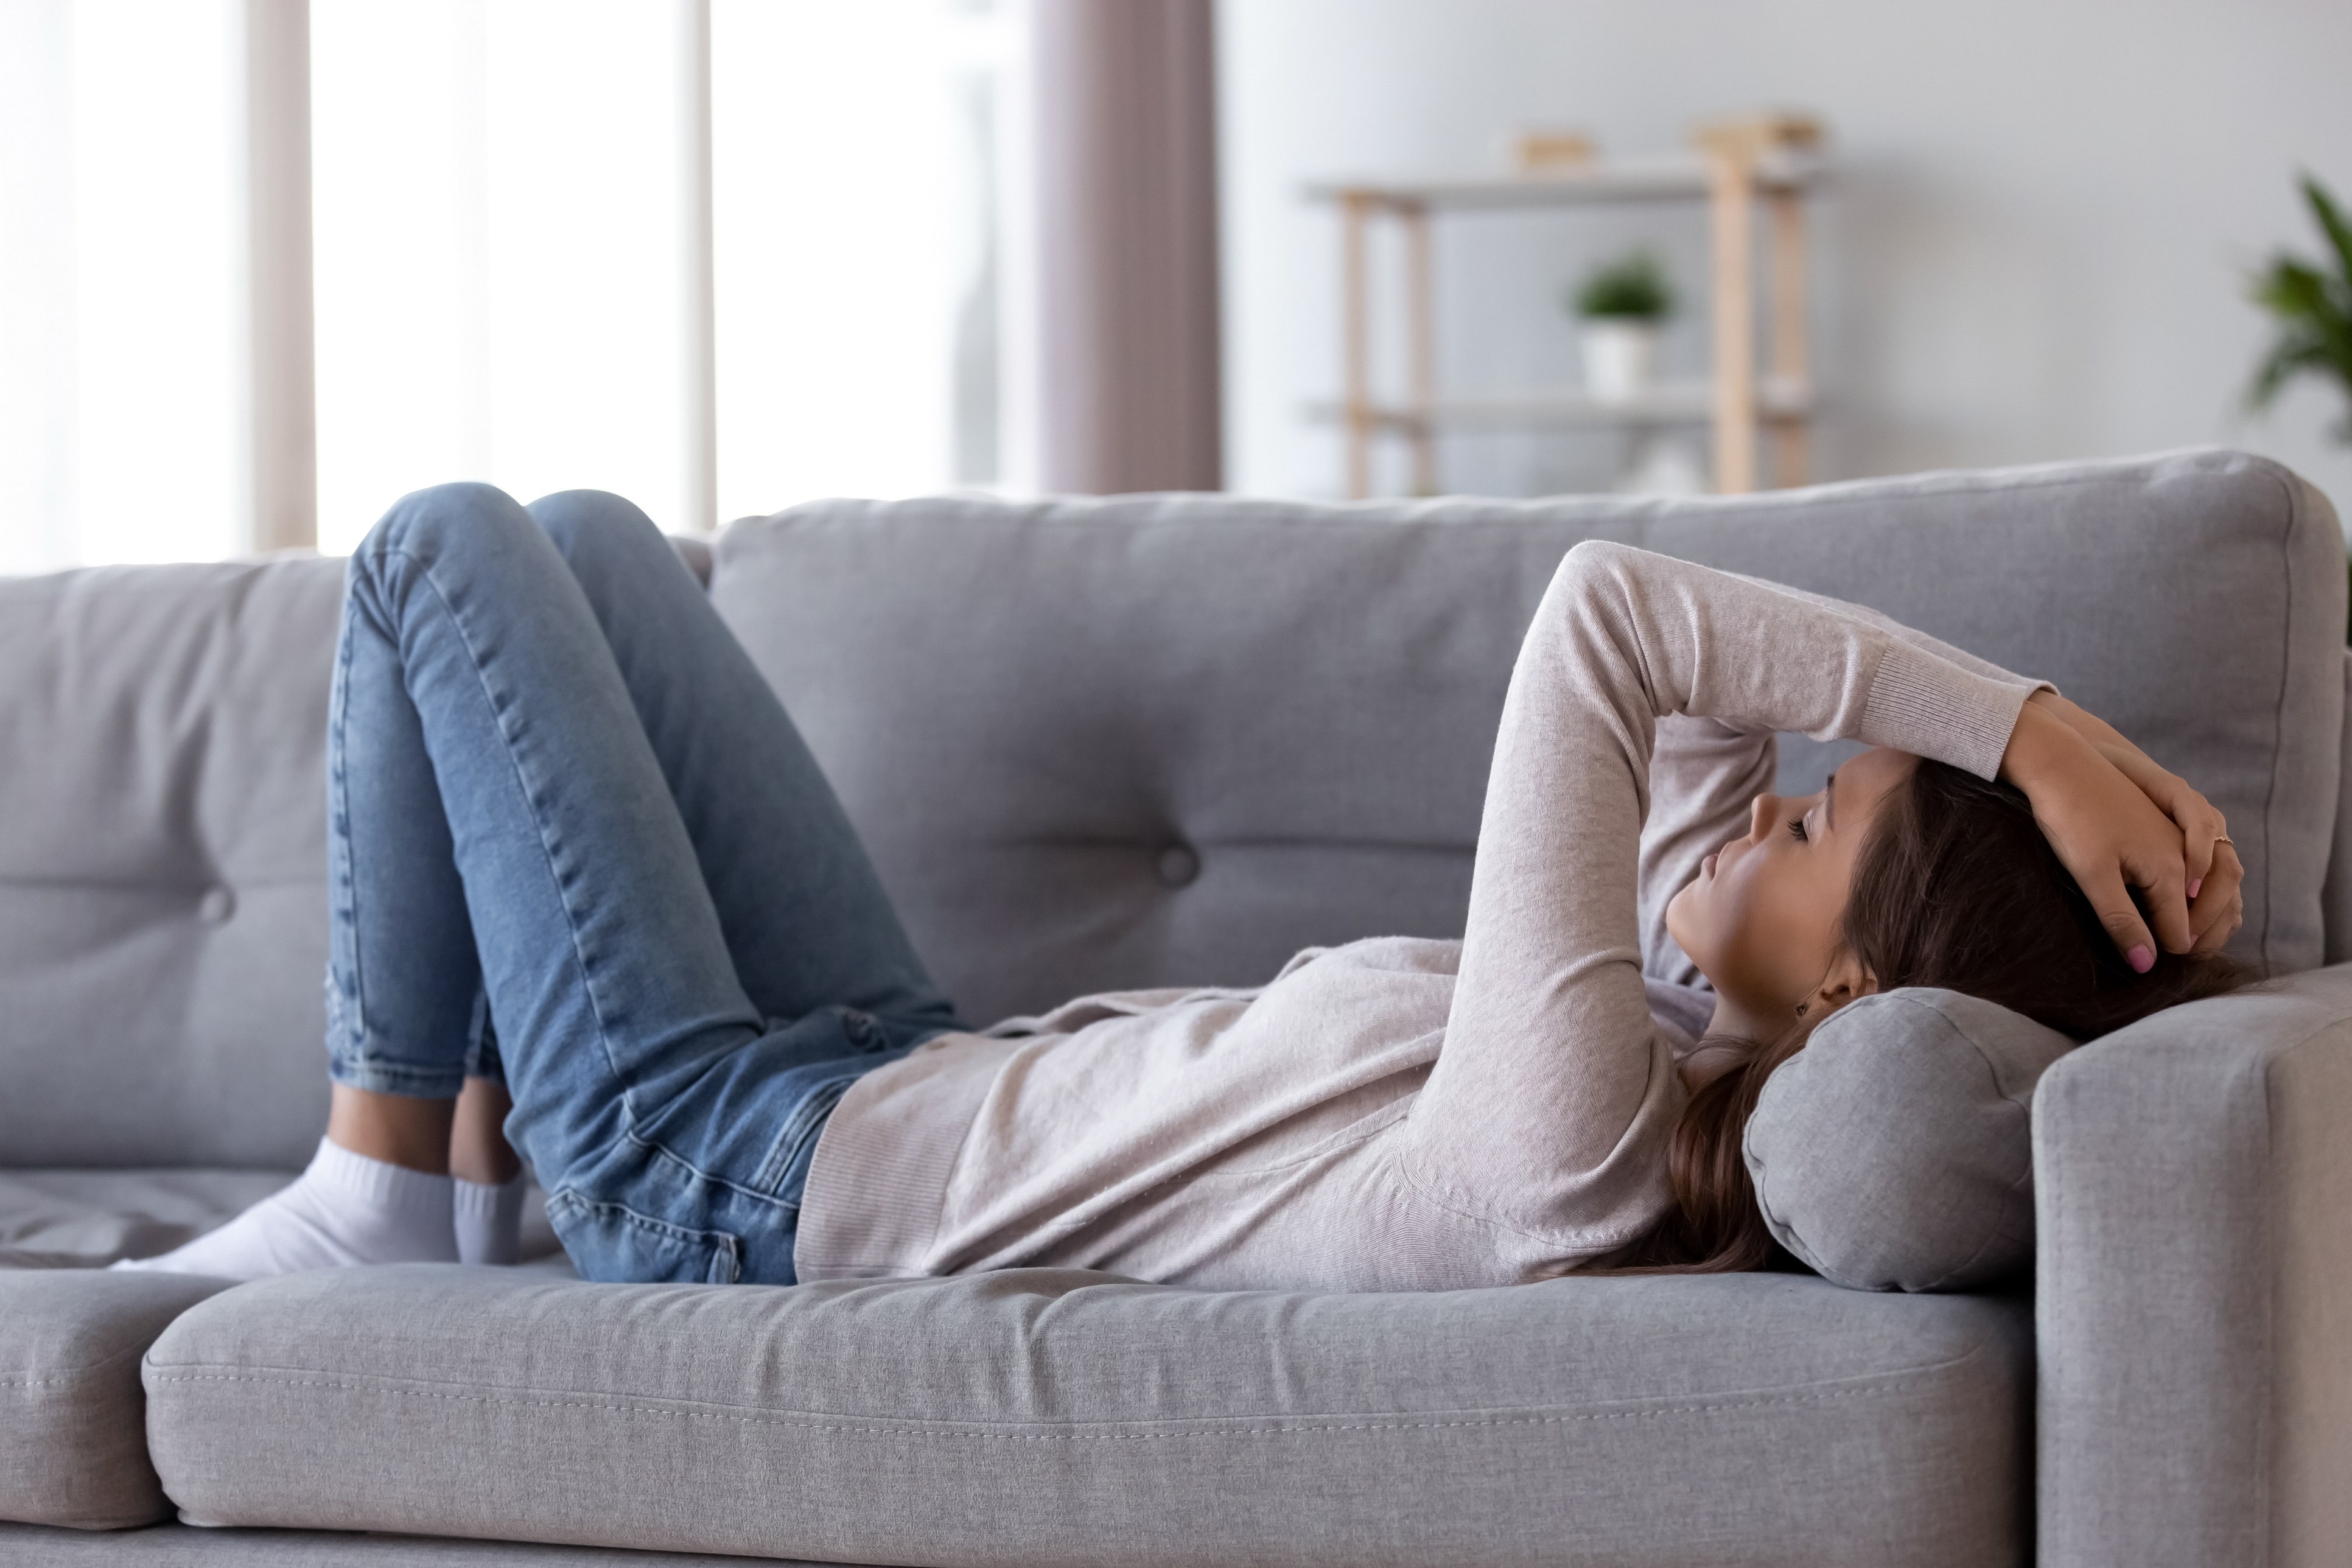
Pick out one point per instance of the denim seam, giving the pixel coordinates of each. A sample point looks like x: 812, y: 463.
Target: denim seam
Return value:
x: 500, y: 715
x: 352, y: 1059
x: 348, y: 1074
x: 341, y: 885
x: 663, y: 1151
x: 728, y: 1245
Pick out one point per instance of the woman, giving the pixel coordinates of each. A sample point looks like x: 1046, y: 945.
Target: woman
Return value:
x: 579, y: 856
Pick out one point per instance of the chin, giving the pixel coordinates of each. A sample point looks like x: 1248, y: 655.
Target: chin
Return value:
x: 1680, y: 924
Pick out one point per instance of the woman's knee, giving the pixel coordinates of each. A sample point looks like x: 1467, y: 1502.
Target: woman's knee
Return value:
x: 428, y: 524
x: 592, y: 527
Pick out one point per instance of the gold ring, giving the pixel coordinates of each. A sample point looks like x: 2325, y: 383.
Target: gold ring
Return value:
x: 2225, y: 838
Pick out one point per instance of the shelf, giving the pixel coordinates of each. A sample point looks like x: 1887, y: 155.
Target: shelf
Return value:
x: 1675, y: 403
x: 1675, y: 178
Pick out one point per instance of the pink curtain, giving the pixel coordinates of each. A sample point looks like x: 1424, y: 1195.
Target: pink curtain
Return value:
x: 1127, y: 207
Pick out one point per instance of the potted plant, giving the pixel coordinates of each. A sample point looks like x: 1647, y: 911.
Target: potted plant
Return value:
x: 2311, y: 303
x: 1622, y: 305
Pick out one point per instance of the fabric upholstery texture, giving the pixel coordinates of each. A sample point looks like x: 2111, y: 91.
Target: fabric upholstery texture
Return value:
x: 2336, y: 893
x: 1896, y: 1151
x: 73, y: 1436
x: 2194, y: 1288
x: 1037, y: 1417
x: 1173, y: 738
x: 176, y: 1546
x: 83, y: 1219
x: 163, y: 864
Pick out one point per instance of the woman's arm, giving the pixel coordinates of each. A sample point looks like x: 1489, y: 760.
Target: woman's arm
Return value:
x: 2214, y: 875
x: 1703, y: 774
x: 1546, y: 1106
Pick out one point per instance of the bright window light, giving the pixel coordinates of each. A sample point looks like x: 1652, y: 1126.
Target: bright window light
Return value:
x: 502, y: 250
x: 851, y: 146
x: 496, y: 202
x: 122, y: 433
x: 500, y: 240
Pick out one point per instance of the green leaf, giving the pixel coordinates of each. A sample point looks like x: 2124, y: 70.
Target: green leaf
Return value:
x: 1633, y: 285
x: 2312, y: 304
x: 2332, y: 223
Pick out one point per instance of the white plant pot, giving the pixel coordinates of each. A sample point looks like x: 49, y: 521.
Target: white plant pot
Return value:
x: 1621, y: 358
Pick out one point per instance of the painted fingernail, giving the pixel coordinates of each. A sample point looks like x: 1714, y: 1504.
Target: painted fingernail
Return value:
x: 2194, y: 886
x: 2140, y: 959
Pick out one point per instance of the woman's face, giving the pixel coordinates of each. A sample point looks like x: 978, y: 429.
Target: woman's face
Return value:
x: 1761, y: 921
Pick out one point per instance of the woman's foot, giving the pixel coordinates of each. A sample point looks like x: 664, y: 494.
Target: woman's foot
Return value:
x: 345, y: 1209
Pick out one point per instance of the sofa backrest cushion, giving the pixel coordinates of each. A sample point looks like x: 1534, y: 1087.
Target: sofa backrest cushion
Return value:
x: 1896, y: 1151
x: 1136, y: 742
x: 162, y: 863
x: 1164, y: 740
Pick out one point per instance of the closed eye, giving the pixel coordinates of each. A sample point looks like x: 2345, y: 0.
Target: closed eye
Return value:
x: 1797, y: 830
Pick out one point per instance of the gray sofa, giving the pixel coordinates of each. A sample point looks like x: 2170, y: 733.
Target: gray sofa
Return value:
x: 1147, y: 741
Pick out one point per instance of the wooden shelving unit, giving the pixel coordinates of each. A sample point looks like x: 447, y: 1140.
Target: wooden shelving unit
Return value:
x: 1741, y: 400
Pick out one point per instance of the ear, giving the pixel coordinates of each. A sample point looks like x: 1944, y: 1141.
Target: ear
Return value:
x: 1846, y: 979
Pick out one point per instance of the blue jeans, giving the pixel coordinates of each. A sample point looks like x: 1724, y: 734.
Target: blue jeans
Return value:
x: 574, y: 841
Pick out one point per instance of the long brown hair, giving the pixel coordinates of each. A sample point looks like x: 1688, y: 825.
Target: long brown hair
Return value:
x: 1956, y: 887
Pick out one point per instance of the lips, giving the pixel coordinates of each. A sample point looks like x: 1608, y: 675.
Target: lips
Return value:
x: 1707, y: 868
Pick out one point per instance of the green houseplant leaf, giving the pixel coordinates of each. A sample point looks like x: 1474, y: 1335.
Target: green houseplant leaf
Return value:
x: 1634, y: 287
x: 2311, y: 304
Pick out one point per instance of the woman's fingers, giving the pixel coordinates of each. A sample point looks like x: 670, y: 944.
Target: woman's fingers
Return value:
x: 2225, y: 925
x: 2164, y: 889
x: 2112, y: 900
x: 2205, y: 906
x: 2217, y: 908
x: 2109, y: 832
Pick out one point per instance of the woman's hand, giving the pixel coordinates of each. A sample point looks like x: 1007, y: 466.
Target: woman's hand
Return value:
x: 2111, y: 834
x: 2216, y: 876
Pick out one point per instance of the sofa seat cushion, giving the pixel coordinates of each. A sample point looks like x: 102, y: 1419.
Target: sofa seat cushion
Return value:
x: 73, y: 1422
x: 1047, y: 1416
x: 182, y: 1546
x: 86, y: 1219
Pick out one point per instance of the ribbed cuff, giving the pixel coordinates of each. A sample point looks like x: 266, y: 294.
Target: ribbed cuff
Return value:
x: 484, y: 1201
x: 878, y: 1183
x: 378, y: 1183
x: 1929, y: 705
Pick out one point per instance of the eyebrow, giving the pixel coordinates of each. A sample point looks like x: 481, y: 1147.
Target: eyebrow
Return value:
x: 1829, y: 804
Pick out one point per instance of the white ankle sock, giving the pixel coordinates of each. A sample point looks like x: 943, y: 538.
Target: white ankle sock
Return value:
x: 489, y: 1220
x: 346, y: 1208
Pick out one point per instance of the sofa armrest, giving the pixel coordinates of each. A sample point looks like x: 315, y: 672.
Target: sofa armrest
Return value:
x: 2194, y: 1294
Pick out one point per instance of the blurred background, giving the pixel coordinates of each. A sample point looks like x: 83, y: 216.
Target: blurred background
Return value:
x: 265, y: 265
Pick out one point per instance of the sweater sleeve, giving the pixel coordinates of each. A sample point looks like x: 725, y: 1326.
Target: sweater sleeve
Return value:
x: 1547, y: 1111
x: 1703, y: 772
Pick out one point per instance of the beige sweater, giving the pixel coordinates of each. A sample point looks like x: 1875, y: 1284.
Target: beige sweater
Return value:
x: 1404, y: 1114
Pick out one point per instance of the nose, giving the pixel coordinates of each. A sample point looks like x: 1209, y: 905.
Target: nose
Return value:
x: 1762, y: 812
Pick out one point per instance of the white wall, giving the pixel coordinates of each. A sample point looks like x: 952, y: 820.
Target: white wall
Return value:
x: 2034, y: 248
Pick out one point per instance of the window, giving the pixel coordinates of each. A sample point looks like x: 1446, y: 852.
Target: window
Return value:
x: 514, y: 235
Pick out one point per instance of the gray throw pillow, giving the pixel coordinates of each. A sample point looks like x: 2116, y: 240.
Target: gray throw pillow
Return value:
x: 1896, y: 1151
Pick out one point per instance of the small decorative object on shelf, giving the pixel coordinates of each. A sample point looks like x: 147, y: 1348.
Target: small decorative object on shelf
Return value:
x: 1622, y: 305
x: 2311, y: 303
x: 1748, y: 137
x: 1541, y: 150
x: 1739, y: 169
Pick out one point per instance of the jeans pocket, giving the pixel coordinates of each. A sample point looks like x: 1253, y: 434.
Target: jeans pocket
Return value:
x: 614, y: 1243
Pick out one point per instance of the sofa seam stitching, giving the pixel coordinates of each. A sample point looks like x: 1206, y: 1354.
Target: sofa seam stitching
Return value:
x: 855, y: 1426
